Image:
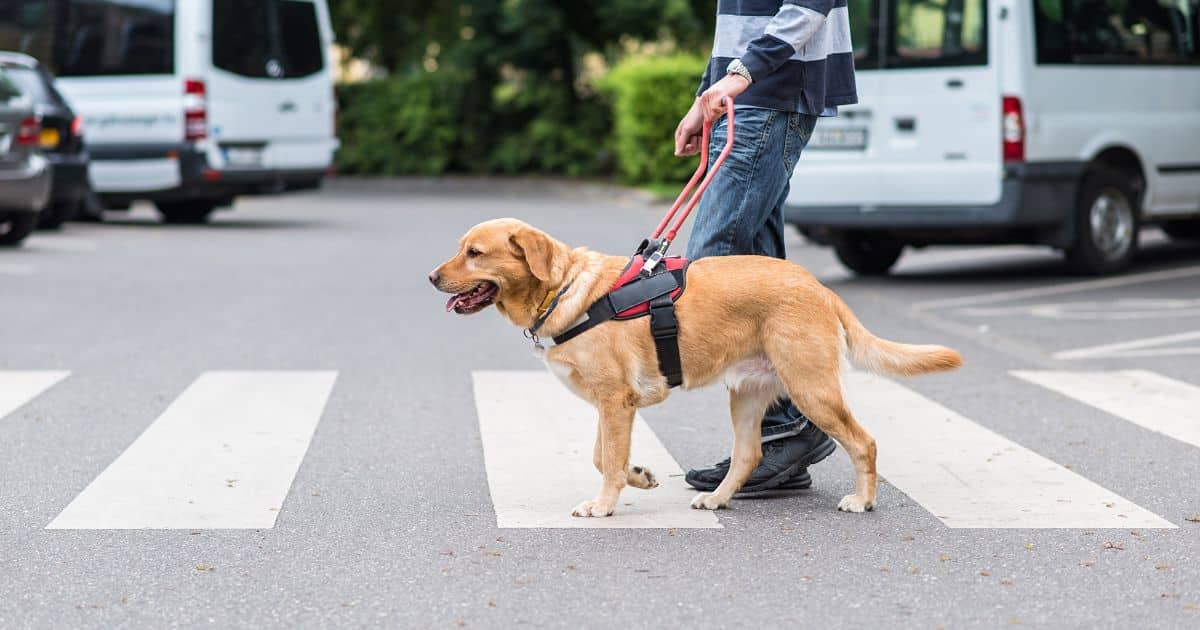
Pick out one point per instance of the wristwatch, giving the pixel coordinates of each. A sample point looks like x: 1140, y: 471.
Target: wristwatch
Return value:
x: 737, y: 67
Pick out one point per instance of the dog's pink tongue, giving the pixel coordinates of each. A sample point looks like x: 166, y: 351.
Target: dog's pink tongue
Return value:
x: 452, y: 302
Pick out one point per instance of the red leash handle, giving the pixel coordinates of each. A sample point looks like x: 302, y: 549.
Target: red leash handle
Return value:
x: 695, y: 198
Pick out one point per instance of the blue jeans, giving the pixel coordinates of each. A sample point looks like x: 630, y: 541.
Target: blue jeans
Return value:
x: 742, y: 210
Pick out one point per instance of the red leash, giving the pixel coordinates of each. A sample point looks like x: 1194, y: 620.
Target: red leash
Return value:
x: 659, y: 247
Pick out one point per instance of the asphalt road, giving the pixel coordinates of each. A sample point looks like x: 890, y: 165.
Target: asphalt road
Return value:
x: 383, y: 514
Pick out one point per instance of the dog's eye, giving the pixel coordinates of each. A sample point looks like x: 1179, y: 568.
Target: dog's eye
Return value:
x: 472, y: 252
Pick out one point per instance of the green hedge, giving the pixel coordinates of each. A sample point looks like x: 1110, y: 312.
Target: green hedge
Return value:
x: 401, y: 126
x: 649, y: 95
x: 434, y: 123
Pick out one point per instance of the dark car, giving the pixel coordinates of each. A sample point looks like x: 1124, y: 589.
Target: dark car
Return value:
x: 60, y: 138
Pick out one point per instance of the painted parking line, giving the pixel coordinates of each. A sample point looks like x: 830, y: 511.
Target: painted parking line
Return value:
x: 968, y: 476
x: 1145, y: 398
x: 537, y: 445
x: 18, y: 387
x: 1159, y: 346
x: 1057, y: 289
x: 222, y: 456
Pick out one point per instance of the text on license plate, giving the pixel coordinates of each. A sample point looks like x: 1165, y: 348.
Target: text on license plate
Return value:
x: 243, y: 156
x: 838, y: 139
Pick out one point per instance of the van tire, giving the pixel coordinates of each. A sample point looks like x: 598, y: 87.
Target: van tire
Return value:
x: 15, y: 226
x: 867, y: 255
x: 1183, y: 229
x: 1107, y: 219
x: 191, y: 212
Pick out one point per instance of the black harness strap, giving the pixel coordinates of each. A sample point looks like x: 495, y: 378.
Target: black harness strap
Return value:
x: 656, y: 290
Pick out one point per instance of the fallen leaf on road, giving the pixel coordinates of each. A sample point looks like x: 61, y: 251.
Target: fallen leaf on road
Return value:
x: 1029, y: 546
x: 1108, y: 544
x: 985, y: 573
x: 1195, y: 518
x: 945, y: 558
x: 205, y: 568
x: 1163, y: 567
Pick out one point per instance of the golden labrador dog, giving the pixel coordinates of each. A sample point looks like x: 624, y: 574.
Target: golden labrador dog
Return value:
x: 764, y: 326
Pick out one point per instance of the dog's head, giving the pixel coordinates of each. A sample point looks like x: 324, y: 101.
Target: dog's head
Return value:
x: 503, y: 262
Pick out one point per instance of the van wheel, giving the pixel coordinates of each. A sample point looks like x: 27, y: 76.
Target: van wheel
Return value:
x: 1106, y: 223
x: 867, y: 255
x: 1183, y: 229
x: 191, y: 212
x: 15, y: 226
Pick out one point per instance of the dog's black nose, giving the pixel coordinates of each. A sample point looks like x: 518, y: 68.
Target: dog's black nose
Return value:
x: 434, y: 276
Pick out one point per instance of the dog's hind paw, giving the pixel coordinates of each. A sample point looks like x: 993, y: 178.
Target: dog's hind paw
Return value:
x: 641, y: 477
x: 592, y: 508
x: 855, y: 503
x: 707, y: 501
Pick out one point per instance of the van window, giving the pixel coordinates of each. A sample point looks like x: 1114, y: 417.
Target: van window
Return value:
x: 1125, y: 32
x: 267, y: 39
x: 864, y: 32
x: 301, y: 41
x: 93, y: 37
x: 927, y: 33
x: 242, y: 38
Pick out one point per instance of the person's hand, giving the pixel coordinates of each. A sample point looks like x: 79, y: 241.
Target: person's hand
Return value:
x: 710, y: 101
x: 688, y: 133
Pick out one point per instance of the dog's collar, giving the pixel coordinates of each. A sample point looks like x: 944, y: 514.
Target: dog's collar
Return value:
x: 545, y: 310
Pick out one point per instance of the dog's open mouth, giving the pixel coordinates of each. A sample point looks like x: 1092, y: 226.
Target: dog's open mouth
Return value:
x: 474, y: 300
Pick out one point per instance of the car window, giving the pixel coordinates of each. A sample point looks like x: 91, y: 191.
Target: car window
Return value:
x: 8, y: 90
x: 92, y: 37
x: 31, y: 83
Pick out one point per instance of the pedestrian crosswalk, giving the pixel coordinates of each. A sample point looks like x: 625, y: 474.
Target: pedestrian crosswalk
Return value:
x: 225, y: 451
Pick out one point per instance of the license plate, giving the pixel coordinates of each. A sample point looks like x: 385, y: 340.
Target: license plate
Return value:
x: 838, y: 139
x: 48, y: 139
x: 243, y: 156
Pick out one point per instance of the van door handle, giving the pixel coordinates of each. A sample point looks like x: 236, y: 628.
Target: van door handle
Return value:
x: 287, y: 106
x: 954, y: 84
x: 906, y: 124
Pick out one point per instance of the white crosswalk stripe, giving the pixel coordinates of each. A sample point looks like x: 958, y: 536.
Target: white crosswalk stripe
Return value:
x: 222, y: 456
x: 968, y: 476
x: 537, y: 443
x: 1147, y: 399
x: 18, y: 387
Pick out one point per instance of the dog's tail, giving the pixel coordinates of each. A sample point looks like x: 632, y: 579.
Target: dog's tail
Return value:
x: 881, y: 356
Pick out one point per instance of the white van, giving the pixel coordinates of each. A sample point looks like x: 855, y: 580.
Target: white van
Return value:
x: 190, y: 103
x: 1068, y: 123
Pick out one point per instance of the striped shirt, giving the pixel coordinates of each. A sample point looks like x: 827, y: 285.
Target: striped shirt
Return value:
x: 797, y: 51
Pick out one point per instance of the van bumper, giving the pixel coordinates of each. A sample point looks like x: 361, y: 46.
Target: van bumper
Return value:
x: 1036, y: 202
x: 196, y: 178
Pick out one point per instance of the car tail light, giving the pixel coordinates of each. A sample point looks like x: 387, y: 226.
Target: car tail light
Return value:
x: 28, y: 132
x: 77, y: 127
x: 1013, y: 129
x: 195, y: 110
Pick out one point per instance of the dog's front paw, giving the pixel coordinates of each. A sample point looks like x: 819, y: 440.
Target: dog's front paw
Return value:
x: 595, y: 507
x: 641, y: 477
x: 706, y: 501
x: 855, y: 503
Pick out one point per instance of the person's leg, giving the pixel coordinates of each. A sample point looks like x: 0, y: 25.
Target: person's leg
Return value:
x: 742, y: 213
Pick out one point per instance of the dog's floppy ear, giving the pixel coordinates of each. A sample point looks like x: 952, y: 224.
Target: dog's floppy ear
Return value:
x: 537, y: 250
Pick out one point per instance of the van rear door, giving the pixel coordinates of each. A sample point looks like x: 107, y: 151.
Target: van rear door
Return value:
x: 270, y: 91
x: 940, y: 131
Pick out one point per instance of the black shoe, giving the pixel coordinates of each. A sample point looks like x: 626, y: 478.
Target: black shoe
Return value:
x: 784, y: 460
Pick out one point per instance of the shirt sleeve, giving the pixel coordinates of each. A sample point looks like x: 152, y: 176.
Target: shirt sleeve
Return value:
x: 786, y: 34
x: 705, y: 80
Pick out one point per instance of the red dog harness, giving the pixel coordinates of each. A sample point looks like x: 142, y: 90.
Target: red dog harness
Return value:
x: 636, y: 294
